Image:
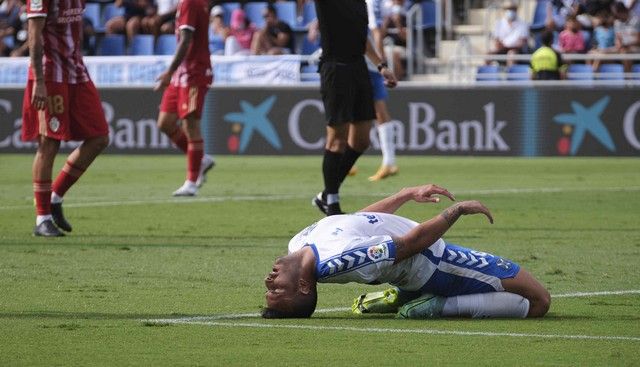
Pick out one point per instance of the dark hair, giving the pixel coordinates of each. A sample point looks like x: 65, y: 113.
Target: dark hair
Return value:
x: 272, y: 9
x: 546, y: 37
x: 303, y: 308
x: 619, y: 7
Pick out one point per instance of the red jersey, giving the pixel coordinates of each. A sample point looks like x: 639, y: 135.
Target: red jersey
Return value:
x: 62, y: 35
x: 196, y: 66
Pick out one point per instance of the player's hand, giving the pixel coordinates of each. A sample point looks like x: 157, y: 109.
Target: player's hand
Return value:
x: 163, y: 81
x: 426, y: 193
x: 474, y: 207
x: 39, y: 96
x: 389, y: 78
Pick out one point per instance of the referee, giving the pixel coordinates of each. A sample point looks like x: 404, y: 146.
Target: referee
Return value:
x: 346, y: 91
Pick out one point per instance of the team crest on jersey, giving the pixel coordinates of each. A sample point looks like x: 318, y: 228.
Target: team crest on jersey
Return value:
x: 54, y: 124
x: 378, y: 252
x: 36, y: 5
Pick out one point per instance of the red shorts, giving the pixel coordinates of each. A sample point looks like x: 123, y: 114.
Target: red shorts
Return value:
x: 74, y: 112
x: 183, y: 100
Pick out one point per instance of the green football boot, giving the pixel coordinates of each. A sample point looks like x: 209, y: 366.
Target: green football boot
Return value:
x: 386, y: 301
x: 426, y: 306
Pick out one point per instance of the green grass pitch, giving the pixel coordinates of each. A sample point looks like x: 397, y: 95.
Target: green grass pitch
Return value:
x: 137, y: 254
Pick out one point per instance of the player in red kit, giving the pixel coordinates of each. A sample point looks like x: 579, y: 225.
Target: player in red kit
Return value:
x: 185, y: 84
x: 60, y: 103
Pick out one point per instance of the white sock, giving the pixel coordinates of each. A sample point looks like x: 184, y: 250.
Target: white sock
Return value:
x: 387, y: 146
x: 42, y: 218
x: 55, y: 199
x: 333, y: 198
x: 494, y: 304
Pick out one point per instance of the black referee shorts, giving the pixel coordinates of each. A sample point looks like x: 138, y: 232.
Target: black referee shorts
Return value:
x: 346, y: 92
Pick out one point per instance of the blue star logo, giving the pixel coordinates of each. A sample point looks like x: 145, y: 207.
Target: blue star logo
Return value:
x: 254, y: 118
x: 587, y: 120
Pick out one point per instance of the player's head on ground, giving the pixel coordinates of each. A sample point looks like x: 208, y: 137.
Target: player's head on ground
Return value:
x: 291, y: 292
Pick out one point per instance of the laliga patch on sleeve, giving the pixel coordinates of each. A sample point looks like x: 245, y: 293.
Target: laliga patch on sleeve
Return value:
x: 378, y: 252
x: 35, y: 5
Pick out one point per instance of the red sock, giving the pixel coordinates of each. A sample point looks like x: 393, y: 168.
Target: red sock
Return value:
x: 42, y: 194
x: 66, y: 178
x: 194, y: 159
x: 179, y: 139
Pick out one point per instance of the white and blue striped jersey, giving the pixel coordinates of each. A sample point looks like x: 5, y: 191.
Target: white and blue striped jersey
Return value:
x: 359, y: 248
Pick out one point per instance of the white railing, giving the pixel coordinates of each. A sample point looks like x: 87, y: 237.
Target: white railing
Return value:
x: 466, y: 66
x: 415, y: 37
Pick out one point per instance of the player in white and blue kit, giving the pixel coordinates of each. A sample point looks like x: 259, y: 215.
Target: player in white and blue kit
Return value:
x: 380, y: 96
x: 432, y: 278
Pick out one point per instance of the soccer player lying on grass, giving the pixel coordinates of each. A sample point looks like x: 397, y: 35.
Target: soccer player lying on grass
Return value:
x: 431, y: 278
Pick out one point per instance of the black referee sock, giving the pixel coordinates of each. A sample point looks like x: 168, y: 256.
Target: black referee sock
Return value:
x: 349, y: 158
x: 331, y: 172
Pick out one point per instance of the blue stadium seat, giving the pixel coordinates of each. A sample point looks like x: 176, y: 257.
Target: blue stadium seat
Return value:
x: 539, y: 16
x: 92, y: 12
x: 308, y: 13
x: 518, y: 72
x: 110, y: 11
x: 142, y: 44
x: 228, y: 9
x: 611, y: 72
x: 488, y: 73
x: 286, y: 12
x: 580, y: 72
x: 111, y: 45
x: 254, y: 13
x: 166, y: 44
x: 309, y: 73
x: 428, y: 14
x: 635, y: 70
x: 309, y: 47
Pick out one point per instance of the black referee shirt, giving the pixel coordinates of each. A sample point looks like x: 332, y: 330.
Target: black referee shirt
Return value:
x: 343, y: 29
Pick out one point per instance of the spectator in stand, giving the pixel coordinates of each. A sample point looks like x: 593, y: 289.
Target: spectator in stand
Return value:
x: 627, y: 28
x: 394, y: 30
x: 571, y: 38
x: 218, y: 32
x: 163, y: 21
x: 241, y: 34
x: 546, y: 63
x: 9, y: 17
x: 276, y: 38
x: 511, y: 34
x: 604, y: 37
x: 131, y: 22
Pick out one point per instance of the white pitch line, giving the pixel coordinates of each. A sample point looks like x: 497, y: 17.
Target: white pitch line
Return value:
x: 407, y: 331
x: 198, y: 319
x: 217, y: 199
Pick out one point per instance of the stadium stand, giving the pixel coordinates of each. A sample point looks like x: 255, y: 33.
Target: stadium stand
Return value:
x: 142, y: 44
x: 580, y: 72
x: 228, y: 9
x: 166, y: 44
x: 112, y: 45
x: 610, y: 72
x: 488, y: 73
x: 518, y: 72
x: 308, y: 14
x: 254, y: 12
x: 287, y: 13
x: 94, y: 14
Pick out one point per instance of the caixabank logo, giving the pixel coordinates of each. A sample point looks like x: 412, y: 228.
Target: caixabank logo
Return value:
x: 252, y: 119
x: 585, y: 120
x: 601, y: 126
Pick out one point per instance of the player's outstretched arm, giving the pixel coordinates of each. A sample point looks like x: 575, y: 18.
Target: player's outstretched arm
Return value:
x: 420, y: 194
x: 425, y: 234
